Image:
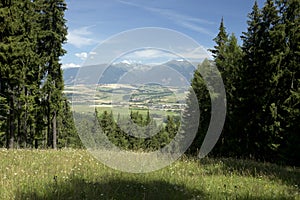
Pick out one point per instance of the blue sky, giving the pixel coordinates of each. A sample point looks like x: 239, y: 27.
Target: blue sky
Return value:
x: 91, y: 22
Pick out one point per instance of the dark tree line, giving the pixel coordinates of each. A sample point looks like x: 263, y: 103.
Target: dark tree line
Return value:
x: 262, y: 79
x: 123, y: 134
x: 34, y: 112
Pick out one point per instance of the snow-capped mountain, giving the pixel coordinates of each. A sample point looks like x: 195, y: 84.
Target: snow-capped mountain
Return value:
x: 173, y: 72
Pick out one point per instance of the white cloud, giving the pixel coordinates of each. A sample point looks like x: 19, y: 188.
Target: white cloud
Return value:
x: 85, y: 55
x: 80, y: 37
x: 82, y: 55
x: 128, y: 62
x: 196, y: 54
x: 92, y: 55
x: 69, y: 65
x: 148, y: 53
x: 156, y: 56
x: 146, y: 56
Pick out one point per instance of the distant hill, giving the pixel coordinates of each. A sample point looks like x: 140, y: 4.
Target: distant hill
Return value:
x: 173, y: 73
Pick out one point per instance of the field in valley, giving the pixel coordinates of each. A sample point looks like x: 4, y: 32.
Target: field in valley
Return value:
x: 74, y: 174
x: 121, y: 99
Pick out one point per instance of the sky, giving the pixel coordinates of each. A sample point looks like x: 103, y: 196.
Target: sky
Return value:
x: 92, y: 22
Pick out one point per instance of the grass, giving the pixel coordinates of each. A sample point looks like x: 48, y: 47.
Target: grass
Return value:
x: 74, y: 174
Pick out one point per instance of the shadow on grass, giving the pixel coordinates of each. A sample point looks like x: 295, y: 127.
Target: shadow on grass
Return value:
x: 288, y: 175
x: 78, y: 188
x: 114, y: 189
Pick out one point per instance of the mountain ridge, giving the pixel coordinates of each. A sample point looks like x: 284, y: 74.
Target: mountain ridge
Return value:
x: 167, y: 73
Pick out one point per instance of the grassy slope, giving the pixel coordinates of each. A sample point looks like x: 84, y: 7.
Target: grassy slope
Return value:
x: 74, y: 174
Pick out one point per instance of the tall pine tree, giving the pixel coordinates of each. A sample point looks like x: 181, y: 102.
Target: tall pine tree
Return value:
x: 53, y: 35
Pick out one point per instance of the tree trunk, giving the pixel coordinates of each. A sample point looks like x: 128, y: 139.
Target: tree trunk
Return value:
x: 19, y: 130
x: 36, y: 143
x: 11, y: 138
x: 25, y: 118
x: 54, y: 131
x: 7, y: 132
x: 49, y: 135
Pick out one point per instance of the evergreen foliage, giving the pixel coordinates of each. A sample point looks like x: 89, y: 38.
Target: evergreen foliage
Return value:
x: 124, y: 134
x: 262, y: 86
x: 34, y: 111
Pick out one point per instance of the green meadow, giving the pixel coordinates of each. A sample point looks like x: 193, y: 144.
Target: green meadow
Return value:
x: 75, y: 174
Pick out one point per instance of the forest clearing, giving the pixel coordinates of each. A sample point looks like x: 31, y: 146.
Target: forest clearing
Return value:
x: 74, y: 174
x: 166, y: 81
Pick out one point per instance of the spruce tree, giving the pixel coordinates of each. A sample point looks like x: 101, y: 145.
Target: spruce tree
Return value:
x: 199, y: 89
x: 31, y: 84
x: 13, y: 65
x: 263, y: 47
x: 219, y: 50
x: 252, y: 82
x: 288, y: 81
x: 53, y: 35
x: 231, y: 65
x: 68, y: 136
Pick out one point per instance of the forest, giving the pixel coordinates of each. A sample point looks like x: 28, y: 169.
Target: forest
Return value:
x: 34, y: 112
x: 261, y: 78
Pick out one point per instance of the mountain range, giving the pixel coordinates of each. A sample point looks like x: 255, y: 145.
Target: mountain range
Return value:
x: 173, y: 73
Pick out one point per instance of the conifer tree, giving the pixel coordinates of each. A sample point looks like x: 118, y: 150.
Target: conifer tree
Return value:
x: 261, y: 47
x: 53, y: 35
x: 287, y: 81
x: 231, y: 67
x: 201, y: 92
x: 219, y: 50
x: 32, y: 34
x: 253, y: 68
x: 13, y: 65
